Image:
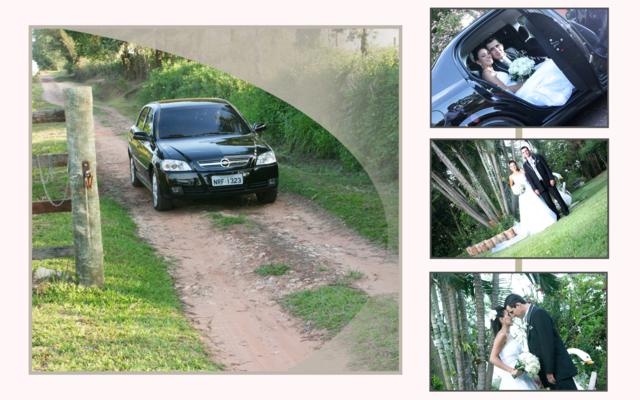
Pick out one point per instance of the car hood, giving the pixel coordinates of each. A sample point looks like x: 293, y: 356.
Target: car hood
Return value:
x: 208, y: 147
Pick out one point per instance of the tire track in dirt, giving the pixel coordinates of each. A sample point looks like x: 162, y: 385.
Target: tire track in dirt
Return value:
x: 235, y: 310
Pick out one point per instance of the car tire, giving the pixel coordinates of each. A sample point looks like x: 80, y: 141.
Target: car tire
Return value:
x: 268, y: 196
x: 160, y: 203
x: 500, y: 121
x: 135, y: 182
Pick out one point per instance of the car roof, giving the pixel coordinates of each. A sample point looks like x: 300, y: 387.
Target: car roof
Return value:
x: 175, y: 103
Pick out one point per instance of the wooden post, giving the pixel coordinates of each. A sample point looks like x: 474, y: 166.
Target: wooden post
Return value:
x: 87, y: 231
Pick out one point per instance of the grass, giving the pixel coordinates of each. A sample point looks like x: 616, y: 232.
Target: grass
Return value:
x: 350, y: 277
x: 350, y: 197
x: 224, y: 220
x: 272, y: 269
x: 135, y: 323
x: 327, y: 308
x: 583, y: 233
x: 37, y: 102
x: 374, y: 336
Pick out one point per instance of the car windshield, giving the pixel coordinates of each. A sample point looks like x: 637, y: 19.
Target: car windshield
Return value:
x: 200, y: 120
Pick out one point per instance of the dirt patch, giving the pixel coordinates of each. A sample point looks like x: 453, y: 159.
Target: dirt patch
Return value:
x: 235, y: 309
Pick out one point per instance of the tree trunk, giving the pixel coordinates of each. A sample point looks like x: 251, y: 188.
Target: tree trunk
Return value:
x: 438, y: 340
x: 495, y: 301
x: 481, y: 195
x: 450, y: 294
x: 465, y: 341
x: 482, y: 354
x: 446, y: 335
x: 458, y: 199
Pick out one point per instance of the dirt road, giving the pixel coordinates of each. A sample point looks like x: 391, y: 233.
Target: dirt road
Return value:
x: 235, y: 310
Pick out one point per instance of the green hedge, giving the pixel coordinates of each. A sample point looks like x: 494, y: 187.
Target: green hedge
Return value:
x: 370, y: 98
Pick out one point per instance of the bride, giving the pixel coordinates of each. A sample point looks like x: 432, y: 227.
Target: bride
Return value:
x: 535, y: 216
x: 505, y: 352
x: 548, y: 86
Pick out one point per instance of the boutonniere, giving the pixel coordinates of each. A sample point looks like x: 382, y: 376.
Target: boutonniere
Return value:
x: 529, y: 328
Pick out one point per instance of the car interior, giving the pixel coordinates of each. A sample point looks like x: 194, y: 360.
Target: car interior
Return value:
x: 510, y: 28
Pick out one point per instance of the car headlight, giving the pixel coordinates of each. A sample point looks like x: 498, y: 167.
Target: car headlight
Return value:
x: 265, y: 158
x: 174, y: 165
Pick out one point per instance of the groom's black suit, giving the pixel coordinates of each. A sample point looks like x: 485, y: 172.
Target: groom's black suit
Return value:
x: 543, y: 185
x: 545, y: 343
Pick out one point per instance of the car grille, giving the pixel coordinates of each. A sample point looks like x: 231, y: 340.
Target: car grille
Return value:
x: 234, y: 162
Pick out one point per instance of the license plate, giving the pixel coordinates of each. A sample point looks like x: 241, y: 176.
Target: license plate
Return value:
x: 226, y: 180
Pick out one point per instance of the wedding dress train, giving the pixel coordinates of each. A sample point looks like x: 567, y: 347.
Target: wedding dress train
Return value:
x: 548, y: 86
x: 535, y: 215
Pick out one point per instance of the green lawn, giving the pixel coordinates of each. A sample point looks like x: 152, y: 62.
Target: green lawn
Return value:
x: 583, y: 234
x: 349, y: 196
x: 135, y: 323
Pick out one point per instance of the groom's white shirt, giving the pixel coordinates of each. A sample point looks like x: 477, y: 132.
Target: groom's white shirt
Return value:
x: 527, y: 314
x: 532, y: 162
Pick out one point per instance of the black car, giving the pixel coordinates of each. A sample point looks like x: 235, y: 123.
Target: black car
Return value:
x: 576, y: 40
x: 199, y: 148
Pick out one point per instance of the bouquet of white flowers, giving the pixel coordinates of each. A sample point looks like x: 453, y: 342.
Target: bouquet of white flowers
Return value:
x: 528, y: 363
x: 521, y: 68
x: 518, y: 188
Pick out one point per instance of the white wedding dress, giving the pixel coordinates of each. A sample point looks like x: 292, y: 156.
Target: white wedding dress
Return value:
x: 548, y: 86
x: 535, y: 215
x: 509, y: 355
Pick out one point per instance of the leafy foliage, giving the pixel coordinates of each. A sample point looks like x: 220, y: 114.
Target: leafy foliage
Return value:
x: 445, y: 24
x: 579, y: 308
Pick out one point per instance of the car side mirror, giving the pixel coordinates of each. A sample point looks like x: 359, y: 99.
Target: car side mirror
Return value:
x: 259, y: 126
x: 141, y: 135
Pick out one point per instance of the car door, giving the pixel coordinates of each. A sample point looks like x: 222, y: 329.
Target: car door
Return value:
x: 142, y: 150
x: 569, y: 49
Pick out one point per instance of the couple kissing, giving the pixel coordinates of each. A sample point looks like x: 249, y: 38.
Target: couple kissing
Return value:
x: 555, y: 369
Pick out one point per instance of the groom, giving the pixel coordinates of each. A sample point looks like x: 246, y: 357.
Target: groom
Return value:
x: 502, y: 58
x: 541, y: 179
x: 556, y: 368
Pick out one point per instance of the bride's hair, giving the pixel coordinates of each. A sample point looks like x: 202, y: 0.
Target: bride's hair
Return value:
x: 514, y: 161
x: 475, y: 52
x: 496, y: 325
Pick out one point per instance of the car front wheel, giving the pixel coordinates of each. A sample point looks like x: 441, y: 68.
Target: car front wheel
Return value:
x: 160, y: 203
x: 268, y: 196
x: 134, y: 177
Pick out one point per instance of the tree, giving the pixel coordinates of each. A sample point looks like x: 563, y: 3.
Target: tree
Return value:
x: 445, y: 24
x: 482, y: 354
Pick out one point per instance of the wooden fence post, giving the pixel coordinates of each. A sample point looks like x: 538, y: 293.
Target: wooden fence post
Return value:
x: 87, y: 231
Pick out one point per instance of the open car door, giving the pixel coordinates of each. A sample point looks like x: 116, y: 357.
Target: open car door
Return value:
x: 574, y: 47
